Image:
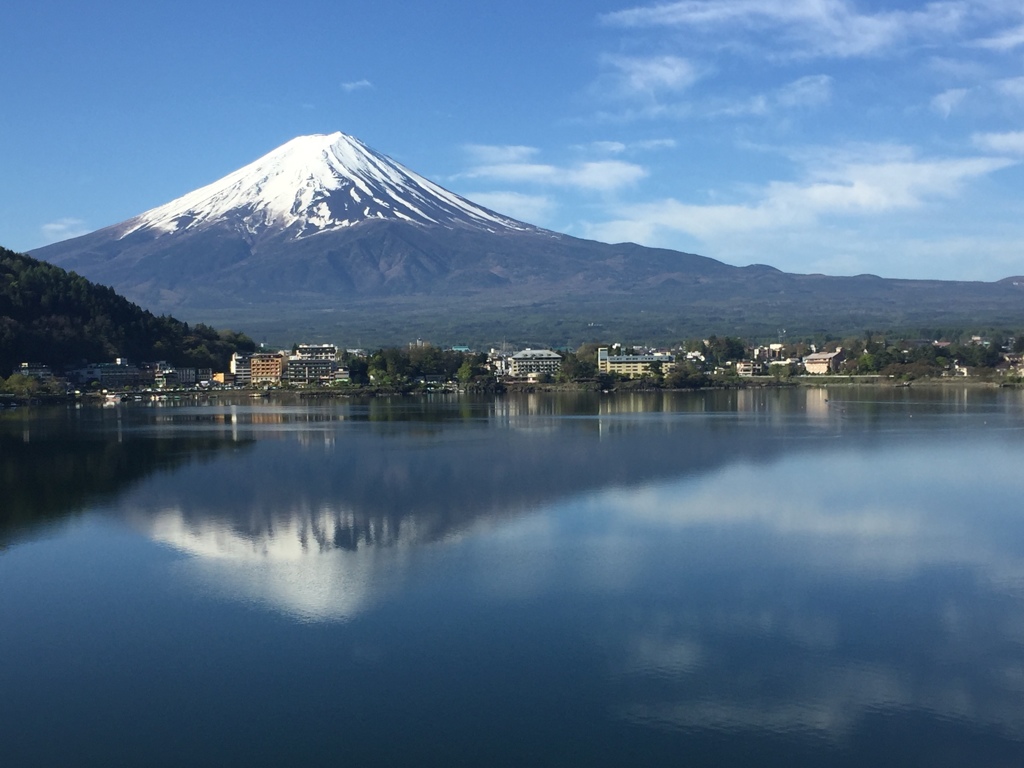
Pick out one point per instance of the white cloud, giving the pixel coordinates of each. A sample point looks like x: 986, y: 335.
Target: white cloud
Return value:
x: 604, y: 175
x: 356, y: 85
x: 511, y: 164
x: 493, y: 154
x: 608, y: 147
x: 810, y: 91
x: 533, y: 209
x: 832, y: 28
x: 620, y: 147
x: 64, y: 229
x: 957, y: 68
x: 1012, y: 87
x: 842, y: 188
x: 1005, y: 40
x: 947, y: 101
x: 1011, y: 143
x: 653, y: 144
x: 804, y: 92
x: 649, y: 76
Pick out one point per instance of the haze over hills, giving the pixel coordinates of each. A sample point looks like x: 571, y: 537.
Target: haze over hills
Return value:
x: 324, y: 236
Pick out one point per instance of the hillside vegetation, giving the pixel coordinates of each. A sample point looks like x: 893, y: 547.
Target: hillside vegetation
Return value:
x: 51, y: 316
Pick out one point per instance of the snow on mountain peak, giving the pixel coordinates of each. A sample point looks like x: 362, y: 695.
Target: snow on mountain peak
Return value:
x: 315, y: 184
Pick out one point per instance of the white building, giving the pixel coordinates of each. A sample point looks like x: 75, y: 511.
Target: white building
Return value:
x: 316, y: 352
x: 241, y: 369
x: 532, y: 362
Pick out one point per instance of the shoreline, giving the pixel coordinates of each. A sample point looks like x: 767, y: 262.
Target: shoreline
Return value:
x: 816, y: 382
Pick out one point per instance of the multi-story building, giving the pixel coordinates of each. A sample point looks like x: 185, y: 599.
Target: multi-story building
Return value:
x: 266, y: 367
x: 108, y: 375
x: 36, y: 371
x: 749, y: 367
x: 241, y: 370
x: 312, y: 364
x: 309, y: 371
x: 316, y: 352
x: 186, y: 376
x: 531, y: 362
x: 634, y: 365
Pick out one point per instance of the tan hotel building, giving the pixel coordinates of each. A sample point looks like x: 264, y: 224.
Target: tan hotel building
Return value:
x: 266, y: 367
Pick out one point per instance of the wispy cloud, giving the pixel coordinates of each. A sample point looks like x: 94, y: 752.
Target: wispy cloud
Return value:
x: 1009, y: 143
x: 1005, y: 40
x: 512, y: 164
x: 947, y: 101
x: 647, y: 77
x: 356, y: 85
x: 809, y: 91
x: 64, y: 229
x: 1012, y: 87
x: 839, y: 189
x: 831, y: 28
x: 535, y: 209
x: 608, y: 147
x: 654, y: 144
x: 804, y: 93
x: 490, y: 154
x: 621, y: 147
x: 597, y: 175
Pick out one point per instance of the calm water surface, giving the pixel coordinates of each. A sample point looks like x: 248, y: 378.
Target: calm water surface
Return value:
x: 781, y: 578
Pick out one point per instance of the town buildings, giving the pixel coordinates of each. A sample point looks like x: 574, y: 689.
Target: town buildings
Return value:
x: 634, y: 365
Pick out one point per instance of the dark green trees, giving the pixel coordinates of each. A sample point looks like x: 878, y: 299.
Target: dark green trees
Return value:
x: 51, y: 316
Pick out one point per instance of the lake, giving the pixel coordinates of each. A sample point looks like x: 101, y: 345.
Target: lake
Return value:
x: 779, y: 577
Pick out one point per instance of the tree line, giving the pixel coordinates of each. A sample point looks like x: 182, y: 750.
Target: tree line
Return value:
x: 51, y: 316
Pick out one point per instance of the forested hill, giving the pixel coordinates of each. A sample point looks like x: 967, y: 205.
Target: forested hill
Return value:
x: 49, y: 315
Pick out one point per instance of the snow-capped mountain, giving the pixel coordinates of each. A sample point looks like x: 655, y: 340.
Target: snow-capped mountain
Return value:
x: 315, y: 184
x: 325, y: 232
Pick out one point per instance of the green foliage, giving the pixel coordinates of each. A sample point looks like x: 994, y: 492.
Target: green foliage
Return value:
x: 23, y: 386
x: 466, y: 372
x: 913, y: 359
x: 724, y: 349
x: 577, y: 366
x: 59, y: 318
x: 782, y: 372
x: 400, y: 367
x: 686, y: 375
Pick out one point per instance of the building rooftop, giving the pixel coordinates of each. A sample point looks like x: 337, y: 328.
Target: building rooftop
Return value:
x: 536, y: 354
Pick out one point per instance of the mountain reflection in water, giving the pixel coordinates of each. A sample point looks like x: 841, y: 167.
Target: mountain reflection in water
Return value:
x: 810, y: 577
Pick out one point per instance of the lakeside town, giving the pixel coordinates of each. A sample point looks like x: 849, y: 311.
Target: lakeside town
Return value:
x: 422, y: 366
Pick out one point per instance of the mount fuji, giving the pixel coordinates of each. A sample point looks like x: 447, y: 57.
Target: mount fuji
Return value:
x: 325, y: 235
x: 318, y: 184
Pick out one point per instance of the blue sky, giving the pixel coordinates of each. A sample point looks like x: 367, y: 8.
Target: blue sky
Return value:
x: 813, y: 135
